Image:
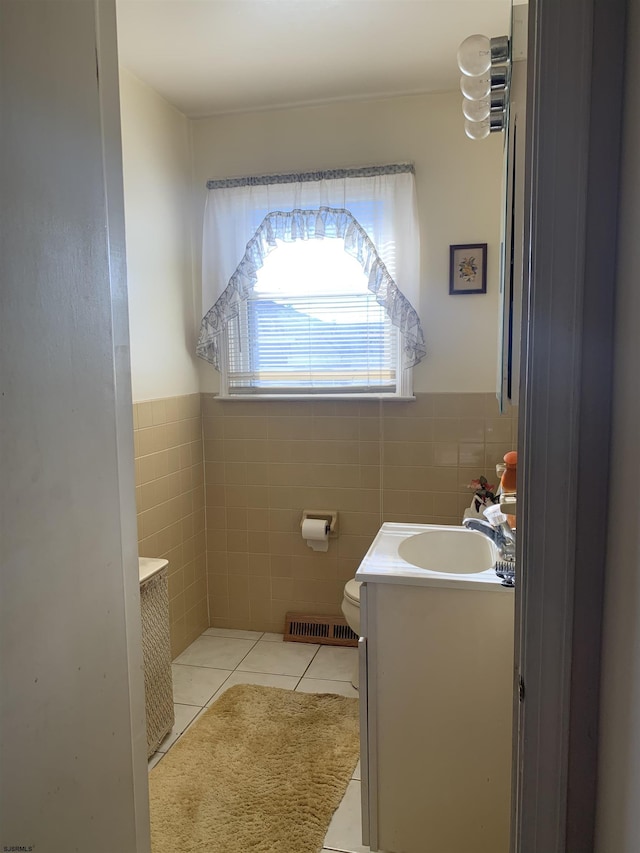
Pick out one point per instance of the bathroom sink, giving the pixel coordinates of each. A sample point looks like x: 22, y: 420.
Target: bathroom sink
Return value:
x: 431, y: 555
x: 452, y: 551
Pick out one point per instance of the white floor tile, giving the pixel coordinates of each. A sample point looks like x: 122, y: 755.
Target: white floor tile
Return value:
x: 233, y: 633
x: 269, y: 637
x: 218, y: 652
x: 345, y: 830
x: 321, y: 685
x: 357, y: 772
x: 278, y: 659
x: 195, y: 685
x: 288, y: 682
x: 183, y: 714
x: 334, y: 663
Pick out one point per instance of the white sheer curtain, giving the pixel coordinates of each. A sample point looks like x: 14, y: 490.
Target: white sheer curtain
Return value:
x: 374, y: 209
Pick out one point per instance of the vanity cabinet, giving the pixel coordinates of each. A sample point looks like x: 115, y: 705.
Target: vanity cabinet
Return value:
x: 436, y: 688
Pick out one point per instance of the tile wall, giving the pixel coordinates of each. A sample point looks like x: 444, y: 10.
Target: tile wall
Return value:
x: 265, y: 461
x: 170, y: 502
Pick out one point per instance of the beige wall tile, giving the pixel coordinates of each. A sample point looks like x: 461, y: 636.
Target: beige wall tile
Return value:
x: 158, y: 413
x: 282, y: 543
x: 470, y: 405
x: 184, y: 456
x: 395, y: 502
x: 470, y: 455
x: 445, y: 453
x: 170, y: 495
x: 171, y: 409
x: 173, y: 485
x: 237, y: 541
x: 370, y: 477
x: 145, y: 415
x: 173, y: 434
x: 150, y: 547
x: 258, y: 519
x: 236, y: 518
x: 498, y: 430
x: 359, y: 523
x: 258, y: 541
x: 353, y: 546
x: 259, y: 588
x: 446, y: 503
x: 282, y: 589
x: 213, y: 473
x: 471, y: 429
x: 445, y: 429
x: 281, y: 565
x: 237, y: 563
x: 407, y: 429
x: 259, y: 564
x: 347, y: 567
x: 440, y: 479
x: 422, y: 503
x: 266, y: 462
x: 446, y: 405
x: 255, y: 497
x: 239, y: 609
x: 369, y: 429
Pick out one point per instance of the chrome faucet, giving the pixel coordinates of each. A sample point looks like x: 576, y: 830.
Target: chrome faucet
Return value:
x: 504, y: 539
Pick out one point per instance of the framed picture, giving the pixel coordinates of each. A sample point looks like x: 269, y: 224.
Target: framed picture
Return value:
x: 468, y: 268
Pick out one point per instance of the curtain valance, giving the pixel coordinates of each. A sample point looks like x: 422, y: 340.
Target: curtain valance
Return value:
x: 373, y: 209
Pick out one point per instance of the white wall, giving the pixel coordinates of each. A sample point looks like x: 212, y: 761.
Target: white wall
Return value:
x: 618, y: 815
x: 73, y: 768
x: 459, y: 195
x: 157, y: 178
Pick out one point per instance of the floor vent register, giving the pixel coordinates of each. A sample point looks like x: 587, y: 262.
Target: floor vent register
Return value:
x: 326, y: 630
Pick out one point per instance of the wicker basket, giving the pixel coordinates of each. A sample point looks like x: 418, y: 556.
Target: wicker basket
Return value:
x: 156, y: 650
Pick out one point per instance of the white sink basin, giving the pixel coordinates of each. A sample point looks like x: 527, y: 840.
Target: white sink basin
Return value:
x: 431, y: 555
x: 454, y: 551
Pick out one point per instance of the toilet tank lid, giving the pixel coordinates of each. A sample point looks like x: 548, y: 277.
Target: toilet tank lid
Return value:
x: 150, y: 566
x: 352, y: 590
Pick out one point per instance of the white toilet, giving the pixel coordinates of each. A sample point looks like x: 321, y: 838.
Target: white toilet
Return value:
x: 351, y: 611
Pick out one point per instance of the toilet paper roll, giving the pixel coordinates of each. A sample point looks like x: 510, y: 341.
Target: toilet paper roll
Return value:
x: 316, y: 532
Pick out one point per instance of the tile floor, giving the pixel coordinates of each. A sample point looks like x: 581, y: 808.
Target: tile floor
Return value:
x: 220, y: 658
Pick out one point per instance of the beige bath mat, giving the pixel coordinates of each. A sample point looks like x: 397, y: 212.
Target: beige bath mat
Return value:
x: 262, y: 771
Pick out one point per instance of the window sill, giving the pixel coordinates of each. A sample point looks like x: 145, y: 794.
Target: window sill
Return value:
x: 393, y: 398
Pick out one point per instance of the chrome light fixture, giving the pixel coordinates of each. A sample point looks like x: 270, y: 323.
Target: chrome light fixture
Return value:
x: 484, y: 63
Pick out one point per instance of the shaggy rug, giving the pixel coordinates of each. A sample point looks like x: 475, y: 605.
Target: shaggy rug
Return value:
x: 262, y: 771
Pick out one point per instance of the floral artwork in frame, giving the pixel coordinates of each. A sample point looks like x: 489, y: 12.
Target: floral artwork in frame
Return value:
x: 468, y: 268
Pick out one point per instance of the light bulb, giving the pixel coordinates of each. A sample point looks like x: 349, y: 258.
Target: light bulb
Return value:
x: 477, y: 129
x: 475, y: 88
x: 474, y: 56
x: 476, y: 110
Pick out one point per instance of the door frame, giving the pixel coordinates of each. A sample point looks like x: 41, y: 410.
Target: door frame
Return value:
x: 574, y: 115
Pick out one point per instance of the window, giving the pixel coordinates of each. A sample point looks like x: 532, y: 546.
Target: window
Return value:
x: 312, y: 326
x: 302, y: 277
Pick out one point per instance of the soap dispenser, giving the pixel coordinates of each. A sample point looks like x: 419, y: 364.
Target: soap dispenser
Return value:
x: 508, y: 482
x: 508, y: 486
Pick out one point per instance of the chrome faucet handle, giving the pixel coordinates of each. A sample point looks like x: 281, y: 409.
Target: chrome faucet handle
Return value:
x: 478, y: 524
x: 498, y: 519
x: 498, y: 535
x: 504, y: 542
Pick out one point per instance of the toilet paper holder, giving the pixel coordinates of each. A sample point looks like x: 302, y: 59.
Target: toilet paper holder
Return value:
x: 328, y: 515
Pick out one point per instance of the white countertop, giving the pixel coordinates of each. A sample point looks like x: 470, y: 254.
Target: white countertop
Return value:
x: 382, y: 564
x: 150, y: 566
